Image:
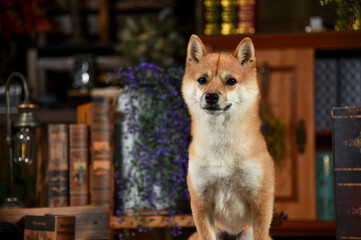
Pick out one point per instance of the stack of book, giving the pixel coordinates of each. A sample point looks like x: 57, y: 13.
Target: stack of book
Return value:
x: 80, y: 157
x: 227, y: 17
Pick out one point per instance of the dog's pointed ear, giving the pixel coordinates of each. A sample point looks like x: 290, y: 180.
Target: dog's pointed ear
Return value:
x: 245, y: 53
x: 195, y: 51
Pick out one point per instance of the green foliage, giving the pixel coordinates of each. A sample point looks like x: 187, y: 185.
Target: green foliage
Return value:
x: 348, y: 14
x: 151, y: 39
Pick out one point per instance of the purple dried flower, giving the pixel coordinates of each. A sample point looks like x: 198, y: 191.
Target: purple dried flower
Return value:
x: 159, y: 120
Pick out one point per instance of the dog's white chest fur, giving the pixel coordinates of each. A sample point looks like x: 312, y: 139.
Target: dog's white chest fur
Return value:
x: 226, y: 177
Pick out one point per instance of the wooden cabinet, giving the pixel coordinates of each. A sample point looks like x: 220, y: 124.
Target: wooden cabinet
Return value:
x: 290, y: 58
x: 290, y: 97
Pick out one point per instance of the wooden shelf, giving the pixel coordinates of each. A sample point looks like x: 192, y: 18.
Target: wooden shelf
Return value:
x: 317, y: 41
x: 129, y: 5
x: 305, y: 229
x: 93, y: 222
x: 67, y: 115
x: 324, y: 133
x: 287, y: 228
x: 61, y: 115
x: 152, y: 221
x: 324, y: 140
x: 158, y: 221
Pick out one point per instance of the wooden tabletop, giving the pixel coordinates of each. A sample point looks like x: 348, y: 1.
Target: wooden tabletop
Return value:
x: 287, y: 228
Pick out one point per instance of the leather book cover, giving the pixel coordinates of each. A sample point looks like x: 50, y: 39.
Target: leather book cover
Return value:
x: 99, y: 116
x: 78, y: 164
x: 58, y: 167
x: 347, y: 170
x: 325, y: 187
x: 211, y: 18
x: 246, y: 17
x: 229, y: 17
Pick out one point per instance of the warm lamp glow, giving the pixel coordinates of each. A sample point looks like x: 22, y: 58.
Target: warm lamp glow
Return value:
x: 23, y: 148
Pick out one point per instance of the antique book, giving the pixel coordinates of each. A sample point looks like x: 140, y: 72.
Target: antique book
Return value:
x: 78, y: 164
x: 325, y: 187
x: 211, y: 17
x: 246, y: 16
x: 229, y: 18
x: 347, y: 165
x: 58, y: 168
x: 49, y: 227
x: 99, y: 117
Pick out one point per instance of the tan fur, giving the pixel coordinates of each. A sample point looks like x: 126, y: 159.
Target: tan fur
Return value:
x: 230, y: 174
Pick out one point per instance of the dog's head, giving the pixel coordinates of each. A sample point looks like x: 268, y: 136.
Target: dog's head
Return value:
x: 220, y: 83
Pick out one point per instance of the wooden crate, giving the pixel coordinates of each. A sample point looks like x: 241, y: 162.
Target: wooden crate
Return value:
x: 92, y: 222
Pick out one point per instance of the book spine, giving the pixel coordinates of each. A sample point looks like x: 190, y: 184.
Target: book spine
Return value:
x: 64, y: 227
x: 246, y: 16
x: 347, y: 170
x: 100, y: 119
x: 78, y: 164
x: 211, y: 17
x: 229, y: 17
x: 58, y: 168
x: 325, y: 186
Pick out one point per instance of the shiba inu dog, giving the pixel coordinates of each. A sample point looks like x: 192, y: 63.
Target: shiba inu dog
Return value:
x: 230, y: 173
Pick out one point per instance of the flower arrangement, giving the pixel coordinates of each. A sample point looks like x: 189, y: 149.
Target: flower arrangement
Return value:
x: 159, y: 123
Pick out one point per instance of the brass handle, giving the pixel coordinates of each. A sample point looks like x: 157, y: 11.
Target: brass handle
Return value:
x: 301, y: 136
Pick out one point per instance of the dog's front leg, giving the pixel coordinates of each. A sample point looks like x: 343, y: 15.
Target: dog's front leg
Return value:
x: 262, y: 217
x: 203, y: 220
x: 202, y: 216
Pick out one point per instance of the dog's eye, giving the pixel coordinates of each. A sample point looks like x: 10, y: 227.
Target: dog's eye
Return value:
x: 231, y: 81
x: 202, y: 80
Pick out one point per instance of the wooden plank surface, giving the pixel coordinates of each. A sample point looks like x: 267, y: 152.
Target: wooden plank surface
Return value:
x: 153, y: 221
x: 287, y: 228
x: 92, y: 222
x: 305, y: 229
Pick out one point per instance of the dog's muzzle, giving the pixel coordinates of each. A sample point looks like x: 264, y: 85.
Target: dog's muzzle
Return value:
x: 212, y: 104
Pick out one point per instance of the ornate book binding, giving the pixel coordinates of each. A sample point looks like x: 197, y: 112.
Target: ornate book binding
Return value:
x: 78, y: 164
x: 58, y: 167
x: 347, y: 163
x: 99, y: 117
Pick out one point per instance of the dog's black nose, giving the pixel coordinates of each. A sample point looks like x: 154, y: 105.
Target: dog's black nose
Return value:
x: 212, y: 98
